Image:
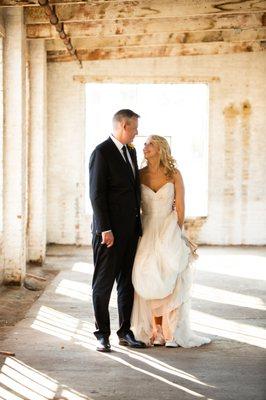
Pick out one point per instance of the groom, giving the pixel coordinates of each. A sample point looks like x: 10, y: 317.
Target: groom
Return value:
x: 115, y: 199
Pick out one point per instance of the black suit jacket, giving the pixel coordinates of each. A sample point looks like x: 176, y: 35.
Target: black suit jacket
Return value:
x: 114, y: 193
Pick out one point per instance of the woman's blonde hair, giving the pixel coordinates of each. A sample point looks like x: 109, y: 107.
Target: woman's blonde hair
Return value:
x: 166, y: 159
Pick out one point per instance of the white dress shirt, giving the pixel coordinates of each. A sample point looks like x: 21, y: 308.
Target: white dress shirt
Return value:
x: 119, y: 145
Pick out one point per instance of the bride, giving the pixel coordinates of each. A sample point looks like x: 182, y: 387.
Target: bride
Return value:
x: 162, y: 271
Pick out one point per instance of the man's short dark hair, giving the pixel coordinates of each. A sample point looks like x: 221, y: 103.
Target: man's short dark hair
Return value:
x: 124, y: 114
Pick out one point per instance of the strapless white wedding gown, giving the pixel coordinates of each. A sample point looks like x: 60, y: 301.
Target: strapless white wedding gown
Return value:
x: 162, y: 273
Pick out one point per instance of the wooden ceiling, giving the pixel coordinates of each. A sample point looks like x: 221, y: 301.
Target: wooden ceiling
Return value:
x: 114, y: 29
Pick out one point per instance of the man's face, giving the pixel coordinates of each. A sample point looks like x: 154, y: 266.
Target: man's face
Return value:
x: 130, y: 129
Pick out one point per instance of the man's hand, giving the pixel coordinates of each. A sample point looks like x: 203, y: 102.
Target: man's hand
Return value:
x: 108, y: 239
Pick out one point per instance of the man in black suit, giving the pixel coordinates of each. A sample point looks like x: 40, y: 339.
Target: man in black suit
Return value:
x: 115, y: 199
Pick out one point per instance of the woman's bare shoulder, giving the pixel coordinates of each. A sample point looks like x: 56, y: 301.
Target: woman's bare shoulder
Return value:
x: 177, y: 177
x: 143, y: 171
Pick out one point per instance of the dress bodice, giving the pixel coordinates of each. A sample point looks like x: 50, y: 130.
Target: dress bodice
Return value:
x: 158, y: 203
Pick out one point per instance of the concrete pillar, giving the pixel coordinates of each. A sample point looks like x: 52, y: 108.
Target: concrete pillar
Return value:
x: 37, y: 152
x: 2, y: 27
x: 1, y: 157
x: 14, y: 201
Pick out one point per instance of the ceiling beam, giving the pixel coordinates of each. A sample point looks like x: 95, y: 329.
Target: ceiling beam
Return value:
x: 186, y: 7
x: 142, y: 10
x: 31, y: 3
x: 161, y: 39
x: 151, y: 26
x: 146, y: 78
x: 158, y: 51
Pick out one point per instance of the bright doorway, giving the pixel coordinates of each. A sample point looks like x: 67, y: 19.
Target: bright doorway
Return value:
x: 179, y: 112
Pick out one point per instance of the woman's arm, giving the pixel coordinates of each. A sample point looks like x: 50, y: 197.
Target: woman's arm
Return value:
x: 142, y: 172
x: 179, y: 198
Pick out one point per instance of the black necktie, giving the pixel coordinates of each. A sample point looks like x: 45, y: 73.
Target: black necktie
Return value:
x: 124, y: 149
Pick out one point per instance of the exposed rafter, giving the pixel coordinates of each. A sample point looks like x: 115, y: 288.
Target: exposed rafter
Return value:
x: 184, y: 7
x: 151, y: 26
x: 109, y: 29
x: 145, y: 9
x: 51, y: 14
x: 158, y: 51
x: 161, y: 39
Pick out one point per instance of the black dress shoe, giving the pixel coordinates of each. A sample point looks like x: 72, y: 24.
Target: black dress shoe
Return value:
x: 103, y: 345
x: 129, y: 340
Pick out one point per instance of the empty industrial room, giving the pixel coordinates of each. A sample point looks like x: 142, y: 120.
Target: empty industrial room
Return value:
x: 132, y: 199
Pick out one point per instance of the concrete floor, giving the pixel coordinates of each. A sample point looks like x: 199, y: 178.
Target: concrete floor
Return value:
x: 55, y: 348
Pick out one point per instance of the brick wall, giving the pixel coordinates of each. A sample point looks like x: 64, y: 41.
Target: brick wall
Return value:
x: 237, y: 142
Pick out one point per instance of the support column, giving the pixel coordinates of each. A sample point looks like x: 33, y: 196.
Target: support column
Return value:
x: 1, y: 151
x: 14, y: 201
x: 37, y: 153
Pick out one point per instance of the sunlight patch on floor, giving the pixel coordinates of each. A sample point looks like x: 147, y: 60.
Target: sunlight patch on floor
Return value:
x: 18, y: 379
x: 215, y: 295
x: 80, y: 291
x: 239, y: 265
x: 81, y: 333
x: 86, y: 268
x: 238, y: 331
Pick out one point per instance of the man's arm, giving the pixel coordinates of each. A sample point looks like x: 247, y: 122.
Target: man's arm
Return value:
x: 98, y: 190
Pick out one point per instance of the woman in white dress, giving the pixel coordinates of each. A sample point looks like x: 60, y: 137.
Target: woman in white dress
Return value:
x: 162, y: 271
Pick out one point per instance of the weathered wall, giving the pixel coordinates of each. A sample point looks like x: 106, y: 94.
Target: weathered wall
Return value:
x: 66, y: 222
x: 237, y: 142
